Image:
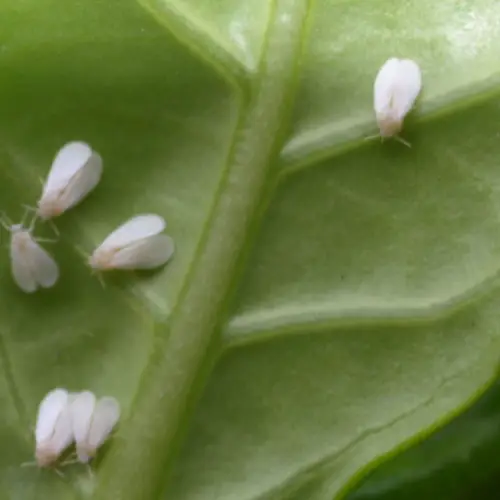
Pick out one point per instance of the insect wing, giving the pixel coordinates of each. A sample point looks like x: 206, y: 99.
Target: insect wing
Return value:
x: 63, y: 431
x: 82, y: 408
x: 43, y: 267
x: 106, y: 416
x: 68, y: 161
x: 135, y: 229
x: 49, y: 411
x: 22, y: 271
x: 145, y: 254
x: 82, y: 182
x: 384, y: 86
x: 406, y: 87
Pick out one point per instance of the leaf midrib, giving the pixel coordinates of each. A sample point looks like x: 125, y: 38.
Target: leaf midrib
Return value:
x: 135, y: 467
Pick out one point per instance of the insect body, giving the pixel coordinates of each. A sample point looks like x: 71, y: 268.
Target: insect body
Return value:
x: 76, y: 170
x: 396, y: 88
x: 137, y: 244
x: 92, y: 421
x: 32, y: 266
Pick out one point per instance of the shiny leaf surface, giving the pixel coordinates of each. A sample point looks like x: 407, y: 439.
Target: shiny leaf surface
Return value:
x: 331, y: 300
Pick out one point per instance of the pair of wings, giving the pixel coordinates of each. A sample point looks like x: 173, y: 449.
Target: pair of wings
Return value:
x: 92, y: 421
x: 76, y: 170
x: 53, y: 423
x: 396, y: 87
x: 32, y: 266
x: 138, y: 244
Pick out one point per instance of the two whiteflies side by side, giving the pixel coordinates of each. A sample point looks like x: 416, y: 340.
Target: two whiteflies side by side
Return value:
x: 76, y: 170
x: 65, y: 418
x: 395, y: 91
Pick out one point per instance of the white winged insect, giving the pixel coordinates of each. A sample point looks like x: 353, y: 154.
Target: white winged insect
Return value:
x: 395, y: 90
x: 136, y: 244
x: 53, y: 433
x: 92, y: 421
x: 32, y: 266
x: 75, y: 171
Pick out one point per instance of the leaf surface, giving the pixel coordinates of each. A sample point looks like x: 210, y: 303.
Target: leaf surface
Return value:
x: 331, y: 299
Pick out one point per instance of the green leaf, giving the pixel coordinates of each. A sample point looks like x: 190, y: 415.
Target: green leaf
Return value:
x: 331, y: 299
